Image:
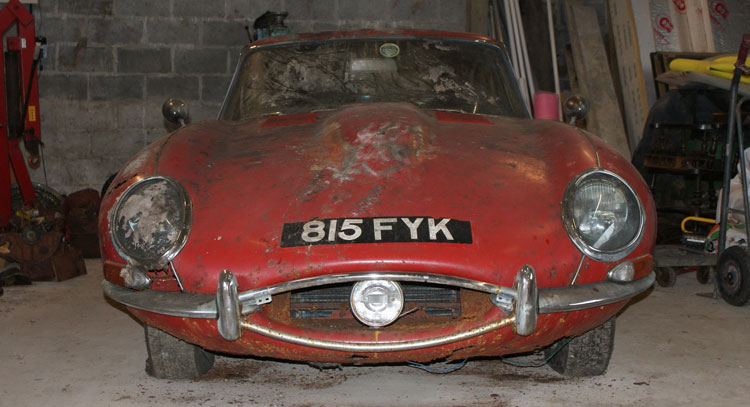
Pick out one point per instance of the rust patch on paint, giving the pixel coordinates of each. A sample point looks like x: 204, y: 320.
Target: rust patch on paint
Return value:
x: 352, y: 145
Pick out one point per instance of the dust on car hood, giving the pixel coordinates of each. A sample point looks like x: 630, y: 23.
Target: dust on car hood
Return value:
x: 252, y: 181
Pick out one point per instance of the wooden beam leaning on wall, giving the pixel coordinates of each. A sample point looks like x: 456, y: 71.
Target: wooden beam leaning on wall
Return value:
x: 477, y: 16
x: 594, y: 78
x: 628, y: 62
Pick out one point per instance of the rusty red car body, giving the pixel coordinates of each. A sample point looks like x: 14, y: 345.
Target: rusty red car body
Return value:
x: 506, y: 177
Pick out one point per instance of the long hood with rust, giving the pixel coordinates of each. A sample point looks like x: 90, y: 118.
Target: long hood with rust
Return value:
x: 281, y: 198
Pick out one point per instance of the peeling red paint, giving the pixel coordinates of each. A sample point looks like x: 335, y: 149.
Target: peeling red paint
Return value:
x: 505, y: 176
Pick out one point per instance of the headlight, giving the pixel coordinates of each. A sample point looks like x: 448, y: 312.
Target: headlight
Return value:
x: 602, y: 215
x: 150, y: 222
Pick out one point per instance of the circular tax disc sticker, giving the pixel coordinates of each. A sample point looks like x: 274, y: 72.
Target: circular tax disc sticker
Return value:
x: 389, y: 50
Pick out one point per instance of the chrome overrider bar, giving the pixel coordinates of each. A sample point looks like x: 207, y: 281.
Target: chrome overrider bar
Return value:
x: 523, y: 302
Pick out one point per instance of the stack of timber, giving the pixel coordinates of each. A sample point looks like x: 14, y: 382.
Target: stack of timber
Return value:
x: 594, y: 77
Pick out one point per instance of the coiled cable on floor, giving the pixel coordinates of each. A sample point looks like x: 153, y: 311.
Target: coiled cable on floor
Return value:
x: 439, y: 370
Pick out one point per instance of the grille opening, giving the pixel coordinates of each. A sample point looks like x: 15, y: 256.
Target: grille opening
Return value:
x: 332, y: 302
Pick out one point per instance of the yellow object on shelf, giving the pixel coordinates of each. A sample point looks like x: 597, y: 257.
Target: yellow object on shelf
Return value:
x: 697, y: 219
x: 722, y: 67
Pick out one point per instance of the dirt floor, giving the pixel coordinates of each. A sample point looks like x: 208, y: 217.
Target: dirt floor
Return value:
x: 62, y: 344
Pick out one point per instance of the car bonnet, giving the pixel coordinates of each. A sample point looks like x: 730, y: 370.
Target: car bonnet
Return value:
x: 258, y: 186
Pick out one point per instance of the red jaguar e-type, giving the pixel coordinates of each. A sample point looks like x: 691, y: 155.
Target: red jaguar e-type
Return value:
x: 376, y: 197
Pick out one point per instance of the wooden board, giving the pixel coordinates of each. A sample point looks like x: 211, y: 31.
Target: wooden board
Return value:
x: 699, y: 26
x: 660, y: 64
x: 477, y: 16
x: 642, y: 18
x: 680, y: 79
x: 594, y: 78
x: 630, y: 74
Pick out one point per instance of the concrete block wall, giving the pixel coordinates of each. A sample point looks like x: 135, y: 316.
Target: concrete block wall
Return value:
x: 112, y: 63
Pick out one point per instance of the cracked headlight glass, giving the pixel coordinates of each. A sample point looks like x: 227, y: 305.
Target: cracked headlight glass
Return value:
x: 602, y: 215
x: 151, y: 221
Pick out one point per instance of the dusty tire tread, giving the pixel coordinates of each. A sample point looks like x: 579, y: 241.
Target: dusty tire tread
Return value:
x: 588, y: 354
x: 173, y: 358
x: 741, y: 256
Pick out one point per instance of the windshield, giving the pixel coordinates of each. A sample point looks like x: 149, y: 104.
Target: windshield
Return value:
x: 454, y: 75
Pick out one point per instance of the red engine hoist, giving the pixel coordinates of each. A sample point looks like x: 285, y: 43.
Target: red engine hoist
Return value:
x: 19, y: 110
x: 33, y: 243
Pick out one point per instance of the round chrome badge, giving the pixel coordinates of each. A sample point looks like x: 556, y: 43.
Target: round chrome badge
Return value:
x: 377, y: 302
x: 389, y: 50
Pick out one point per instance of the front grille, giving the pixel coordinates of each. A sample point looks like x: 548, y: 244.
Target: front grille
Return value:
x: 333, y: 301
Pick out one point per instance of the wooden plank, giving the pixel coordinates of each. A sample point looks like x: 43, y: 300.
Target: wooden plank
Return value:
x: 477, y: 16
x: 680, y: 79
x: 642, y: 17
x: 571, y: 69
x: 534, y: 17
x: 660, y: 64
x: 594, y: 78
x: 630, y: 74
x: 698, y: 25
x: 682, y: 25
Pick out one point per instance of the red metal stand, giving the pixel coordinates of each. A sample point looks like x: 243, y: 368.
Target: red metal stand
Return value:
x: 19, y: 109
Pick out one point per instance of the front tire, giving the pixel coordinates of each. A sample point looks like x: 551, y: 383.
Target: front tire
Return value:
x: 733, y: 275
x: 585, y: 355
x: 173, y: 358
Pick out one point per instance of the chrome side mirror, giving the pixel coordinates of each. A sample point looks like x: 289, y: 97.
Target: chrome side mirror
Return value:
x: 175, y: 111
x: 575, y: 108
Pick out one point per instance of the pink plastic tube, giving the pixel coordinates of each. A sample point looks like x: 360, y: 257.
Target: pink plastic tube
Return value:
x: 546, y: 106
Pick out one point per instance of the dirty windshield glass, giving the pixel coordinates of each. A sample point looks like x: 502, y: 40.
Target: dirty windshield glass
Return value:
x: 431, y: 74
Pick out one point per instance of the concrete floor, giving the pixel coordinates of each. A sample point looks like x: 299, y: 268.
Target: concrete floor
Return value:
x: 63, y: 344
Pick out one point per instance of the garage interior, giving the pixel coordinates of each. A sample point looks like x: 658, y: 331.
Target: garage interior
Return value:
x: 106, y: 67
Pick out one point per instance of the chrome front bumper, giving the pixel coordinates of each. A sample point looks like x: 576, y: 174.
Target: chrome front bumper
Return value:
x: 524, y: 302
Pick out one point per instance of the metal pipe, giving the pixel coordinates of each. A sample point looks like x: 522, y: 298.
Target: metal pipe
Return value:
x: 743, y: 165
x: 512, y: 38
x: 522, y: 69
x: 728, y: 155
x: 525, y: 54
x: 553, y: 49
x: 739, y: 68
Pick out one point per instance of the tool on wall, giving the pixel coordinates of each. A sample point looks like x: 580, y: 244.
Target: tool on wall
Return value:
x: 270, y: 24
x: 32, y: 226
x: 19, y: 110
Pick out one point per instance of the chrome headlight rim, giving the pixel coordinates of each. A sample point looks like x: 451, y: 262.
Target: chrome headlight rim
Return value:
x: 572, y: 229
x: 183, y: 233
